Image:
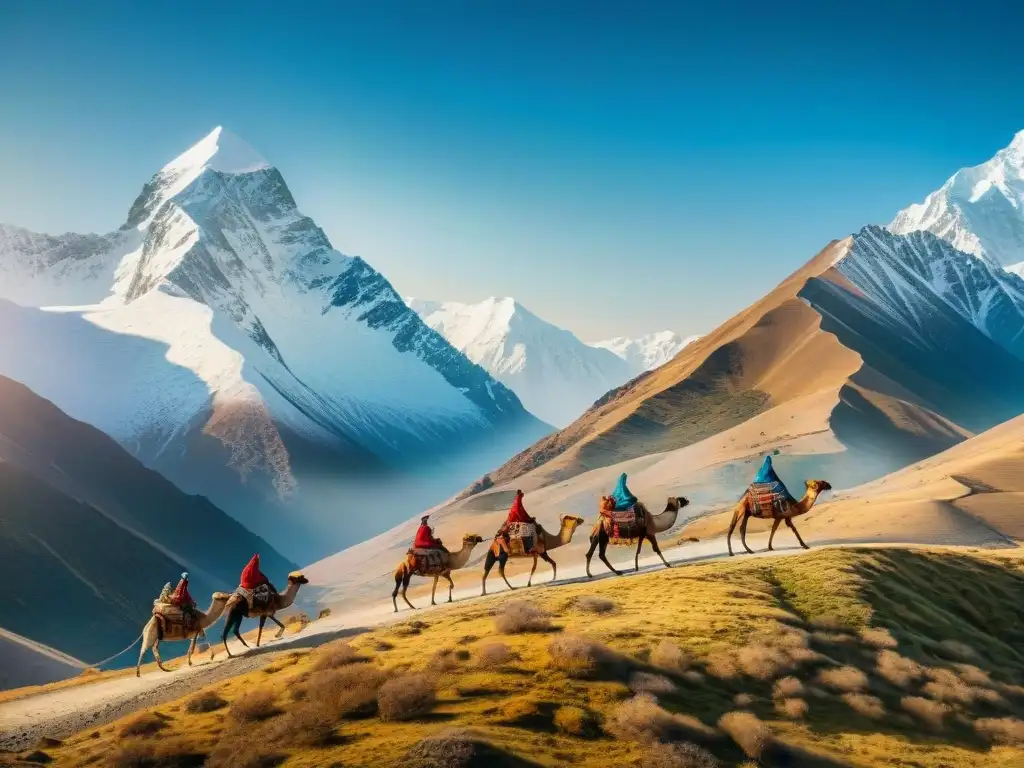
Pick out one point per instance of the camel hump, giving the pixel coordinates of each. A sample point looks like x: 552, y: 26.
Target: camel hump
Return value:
x: 222, y: 595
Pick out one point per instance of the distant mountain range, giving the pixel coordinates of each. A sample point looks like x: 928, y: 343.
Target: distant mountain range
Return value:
x: 555, y: 375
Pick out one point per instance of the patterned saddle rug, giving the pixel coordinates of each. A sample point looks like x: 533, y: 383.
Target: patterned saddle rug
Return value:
x: 428, y: 561
x: 769, y: 498
x: 258, y: 599
x: 174, y: 622
x: 522, y: 538
x: 624, y: 526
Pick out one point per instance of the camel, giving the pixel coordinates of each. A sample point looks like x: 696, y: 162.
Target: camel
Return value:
x: 745, y: 509
x: 450, y: 561
x: 238, y: 609
x: 545, y: 543
x: 157, y: 630
x: 600, y: 536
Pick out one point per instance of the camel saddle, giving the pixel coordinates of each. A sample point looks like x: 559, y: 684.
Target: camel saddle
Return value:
x: 258, y: 599
x: 428, y: 561
x: 173, y: 620
x: 623, y: 526
x: 522, y: 538
x: 769, y: 498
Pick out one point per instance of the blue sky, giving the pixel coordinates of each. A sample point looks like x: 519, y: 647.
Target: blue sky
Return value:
x: 618, y: 167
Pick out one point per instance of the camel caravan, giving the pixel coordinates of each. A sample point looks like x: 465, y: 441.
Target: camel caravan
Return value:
x: 623, y: 521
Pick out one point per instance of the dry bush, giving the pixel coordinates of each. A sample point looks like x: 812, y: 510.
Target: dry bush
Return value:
x: 763, y: 662
x: 301, y: 618
x: 349, y: 692
x: 334, y: 655
x: 447, y: 660
x: 151, y: 754
x: 238, y: 749
x: 452, y: 748
x: 207, y: 701
x: 594, y: 604
x: 832, y: 638
x: 495, y: 655
x: 931, y: 713
x: 307, y: 725
x: 862, y: 704
x: 406, y: 697
x: 641, y: 719
x: 898, y: 670
x: 684, y: 755
x: 520, y: 709
x: 788, y: 686
x: 576, y: 721
x: 645, y: 682
x: 671, y: 657
x: 254, y: 706
x: 145, y: 724
x: 324, y: 613
x: 878, y: 637
x: 749, y: 733
x: 957, y: 651
x: 578, y: 656
x: 794, y: 709
x: 1001, y: 730
x: 972, y: 675
x: 693, y: 676
x: 829, y: 623
x: 743, y: 699
x: 946, y: 685
x: 722, y: 664
x: 519, y: 616
x: 847, y: 679
x: 383, y: 645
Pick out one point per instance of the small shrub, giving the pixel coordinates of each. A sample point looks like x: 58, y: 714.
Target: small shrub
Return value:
x: 575, y: 721
x: 207, y: 701
x: 878, y: 637
x: 453, y: 748
x: 300, y: 618
x: 763, y: 662
x: 518, y: 617
x: 520, y: 710
x: 578, y: 656
x: 254, y: 706
x: 645, y: 682
x: 749, y: 733
x: 154, y: 754
x: 238, y: 749
x: 494, y: 655
x: 1001, y: 730
x: 788, y: 686
x: 846, y: 679
x: 684, y: 755
x: 594, y: 604
x: 693, y: 676
x: 383, y: 645
x: 641, y: 719
x: 931, y: 713
x: 145, y: 724
x: 867, y: 706
x: 307, y: 725
x: 898, y: 670
x: 324, y: 613
x: 973, y: 675
x: 671, y: 657
x: 349, y: 692
x: 722, y: 665
x: 406, y: 697
x: 957, y: 651
x: 446, y: 660
x: 794, y: 709
x: 334, y: 655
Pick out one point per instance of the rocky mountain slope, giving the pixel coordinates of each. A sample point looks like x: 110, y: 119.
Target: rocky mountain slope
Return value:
x: 86, y: 527
x: 555, y: 375
x: 220, y: 337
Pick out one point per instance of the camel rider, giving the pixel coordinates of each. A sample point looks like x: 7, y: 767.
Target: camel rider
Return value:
x: 425, y: 537
x: 517, y: 514
x: 621, y: 499
x: 182, y: 599
x: 252, y: 577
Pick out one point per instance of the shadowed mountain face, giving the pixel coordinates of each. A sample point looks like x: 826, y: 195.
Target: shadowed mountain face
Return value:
x: 906, y: 344
x: 88, y: 536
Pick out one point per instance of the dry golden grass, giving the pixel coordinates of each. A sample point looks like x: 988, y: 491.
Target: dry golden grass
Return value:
x: 555, y: 699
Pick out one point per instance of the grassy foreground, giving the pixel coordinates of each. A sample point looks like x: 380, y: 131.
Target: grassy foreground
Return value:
x: 882, y: 657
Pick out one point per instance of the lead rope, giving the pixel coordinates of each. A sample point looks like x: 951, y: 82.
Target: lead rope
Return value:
x: 99, y: 664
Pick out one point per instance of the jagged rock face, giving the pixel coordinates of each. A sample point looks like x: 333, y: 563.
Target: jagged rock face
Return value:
x: 257, y: 341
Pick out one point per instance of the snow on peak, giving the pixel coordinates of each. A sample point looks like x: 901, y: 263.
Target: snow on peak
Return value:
x: 220, y: 151
x: 979, y: 210
x: 648, y: 352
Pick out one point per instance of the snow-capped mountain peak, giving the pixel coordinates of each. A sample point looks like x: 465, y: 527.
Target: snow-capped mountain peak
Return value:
x: 645, y: 353
x: 219, y: 150
x: 979, y: 210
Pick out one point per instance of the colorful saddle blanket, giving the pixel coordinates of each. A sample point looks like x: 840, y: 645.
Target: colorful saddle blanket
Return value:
x: 625, y: 525
x: 257, y: 599
x: 769, y: 498
x: 174, y: 620
x: 522, y: 538
x: 428, y: 561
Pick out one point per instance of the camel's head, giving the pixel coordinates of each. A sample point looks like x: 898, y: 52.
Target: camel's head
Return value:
x: 222, y: 597
x: 574, y: 521
x: 675, y: 503
x: 471, y: 539
x: 297, y: 578
x: 818, y: 486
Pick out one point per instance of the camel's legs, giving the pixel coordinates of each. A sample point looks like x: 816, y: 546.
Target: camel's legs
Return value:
x: 398, y: 586
x: 259, y: 632
x: 636, y: 559
x: 590, y: 552
x: 156, y: 655
x: 191, y: 648
x: 775, y: 527
x: 224, y: 634
x: 433, y: 589
x: 451, y: 584
x: 657, y: 549
x: 238, y: 627
x: 602, y: 549
x: 732, y: 526
x: 406, y: 578
x: 796, y: 533
x: 554, y: 567
x: 502, y: 559
x: 280, y: 631
x: 149, y: 633
x: 743, y: 534
x: 529, y: 581
x: 488, y: 564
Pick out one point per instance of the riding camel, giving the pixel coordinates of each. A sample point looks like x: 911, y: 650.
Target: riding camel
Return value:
x: 446, y: 562
x: 238, y: 609
x: 499, y: 552
x: 601, y: 536
x: 167, y: 624
x: 784, y: 510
